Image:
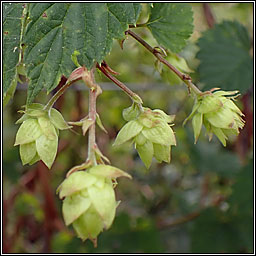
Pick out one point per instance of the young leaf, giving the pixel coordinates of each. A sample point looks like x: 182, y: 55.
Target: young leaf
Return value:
x: 171, y: 24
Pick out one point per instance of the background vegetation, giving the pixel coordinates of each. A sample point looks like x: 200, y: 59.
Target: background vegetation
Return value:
x: 200, y: 203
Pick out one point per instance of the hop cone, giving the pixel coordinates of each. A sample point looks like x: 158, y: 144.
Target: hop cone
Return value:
x: 90, y: 203
x: 38, y: 134
x: 151, y: 133
x: 218, y: 113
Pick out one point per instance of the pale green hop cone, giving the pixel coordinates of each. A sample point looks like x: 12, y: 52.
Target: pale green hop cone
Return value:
x: 219, y: 114
x: 38, y: 134
x: 89, y: 200
x: 151, y: 133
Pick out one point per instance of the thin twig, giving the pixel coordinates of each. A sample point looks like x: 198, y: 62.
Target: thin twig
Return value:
x: 208, y: 15
x: 185, y: 78
x: 129, y: 92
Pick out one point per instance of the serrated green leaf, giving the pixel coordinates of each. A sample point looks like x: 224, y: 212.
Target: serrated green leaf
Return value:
x: 73, y: 207
x: 12, y: 22
x: 57, y: 119
x: 47, y: 149
x: 162, y: 153
x: 29, y: 131
x: 171, y: 24
x: 146, y: 152
x: 224, y: 57
x: 161, y: 134
x: 57, y: 30
x: 103, y: 199
x: 27, y: 152
x: 128, y: 131
x: 77, y: 181
x: 47, y: 128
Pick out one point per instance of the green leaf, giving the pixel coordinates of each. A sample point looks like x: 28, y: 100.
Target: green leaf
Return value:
x: 146, y: 152
x: 28, y: 132
x: 58, y: 120
x: 171, y: 24
x: 103, y: 199
x: 224, y: 57
x: 47, y: 149
x: 128, y: 131
x: 27, y: 152
x: 77, y: 181
x: 73, y: 207
x: 57, y: 30
x: 12, y: 22
x: 162, y: 134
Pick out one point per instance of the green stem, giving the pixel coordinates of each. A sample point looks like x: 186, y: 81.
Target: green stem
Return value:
x: 185, y: 78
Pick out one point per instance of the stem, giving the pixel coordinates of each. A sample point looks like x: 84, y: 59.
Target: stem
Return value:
x: 138, y: 25
x: 92, y: 116
x: 134, y: 97
x: 185, y: 78
x: 55, y: 97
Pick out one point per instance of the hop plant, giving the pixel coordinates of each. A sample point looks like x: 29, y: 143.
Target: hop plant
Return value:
x: 151, y: 133
x: 218, y: 113
x: 38, y: 134
x: 90, y: 203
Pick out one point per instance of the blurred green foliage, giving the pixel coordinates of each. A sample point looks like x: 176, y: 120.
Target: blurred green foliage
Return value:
x: 200, y: 203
